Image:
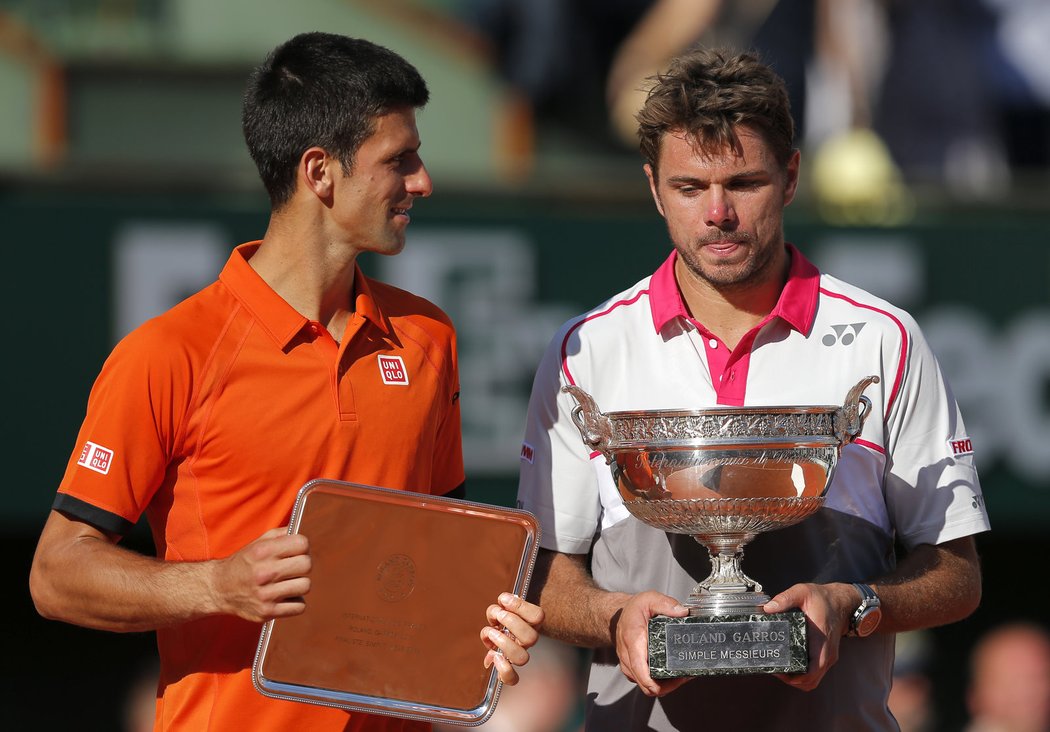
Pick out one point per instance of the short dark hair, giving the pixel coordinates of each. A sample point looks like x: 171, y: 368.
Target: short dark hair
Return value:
x: 325, y: 90
x: 706, y: 94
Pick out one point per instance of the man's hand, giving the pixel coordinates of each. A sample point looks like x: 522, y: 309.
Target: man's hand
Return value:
x: 513, y: 627
x: 827, y: 610
x: 632, y: 639
x: 266, y: 579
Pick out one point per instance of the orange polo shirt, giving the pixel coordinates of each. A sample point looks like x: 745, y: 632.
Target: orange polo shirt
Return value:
x: 209, y: 419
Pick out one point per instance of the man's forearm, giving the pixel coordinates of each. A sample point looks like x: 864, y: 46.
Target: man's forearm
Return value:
x: 83, y: 578
x: 932, y: 586
x: 575, y: 610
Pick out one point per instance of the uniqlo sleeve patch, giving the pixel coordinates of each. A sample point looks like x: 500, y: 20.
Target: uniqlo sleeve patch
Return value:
x: 95, y: 457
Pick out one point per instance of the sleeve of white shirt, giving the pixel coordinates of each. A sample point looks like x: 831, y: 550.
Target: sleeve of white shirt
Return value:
x: 557, y: 481
x: 933, y: 493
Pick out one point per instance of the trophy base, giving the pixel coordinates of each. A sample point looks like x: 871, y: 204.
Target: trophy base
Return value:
x: 718, y: 645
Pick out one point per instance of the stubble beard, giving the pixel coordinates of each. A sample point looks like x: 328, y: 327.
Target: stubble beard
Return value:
x: 755, y: 269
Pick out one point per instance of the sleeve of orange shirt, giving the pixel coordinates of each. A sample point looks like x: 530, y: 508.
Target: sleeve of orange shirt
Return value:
x: 129, y: 434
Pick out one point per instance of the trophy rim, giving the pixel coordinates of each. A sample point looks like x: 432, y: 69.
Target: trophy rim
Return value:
x: 773, y: 428
x: 722, y: 410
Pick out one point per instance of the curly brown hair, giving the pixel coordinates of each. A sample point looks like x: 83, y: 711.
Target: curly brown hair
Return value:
x: 707, y: 94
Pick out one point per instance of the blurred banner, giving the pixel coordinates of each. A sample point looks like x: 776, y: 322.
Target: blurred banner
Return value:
x: 83, y: 270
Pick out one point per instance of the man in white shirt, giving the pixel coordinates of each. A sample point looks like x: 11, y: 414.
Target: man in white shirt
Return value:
x: 736, y: 316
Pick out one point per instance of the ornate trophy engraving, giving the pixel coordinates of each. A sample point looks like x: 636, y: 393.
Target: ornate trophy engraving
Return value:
x: 723, y: 476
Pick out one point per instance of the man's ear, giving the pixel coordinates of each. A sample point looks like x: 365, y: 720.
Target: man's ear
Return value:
x: 652, y: 187
x: 316, y: 172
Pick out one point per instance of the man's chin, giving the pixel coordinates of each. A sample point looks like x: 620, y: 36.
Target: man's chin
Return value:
x: 390, y: 248
x: 719, y: 273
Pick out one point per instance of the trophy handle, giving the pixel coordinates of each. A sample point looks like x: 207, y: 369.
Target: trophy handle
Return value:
x: 849, y: 420
x: 595, y: 428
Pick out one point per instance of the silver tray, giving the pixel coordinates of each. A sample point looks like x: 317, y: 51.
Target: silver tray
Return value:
x: 399, y: 586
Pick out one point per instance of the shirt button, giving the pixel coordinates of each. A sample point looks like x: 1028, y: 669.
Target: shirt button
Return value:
x: 713, y: 343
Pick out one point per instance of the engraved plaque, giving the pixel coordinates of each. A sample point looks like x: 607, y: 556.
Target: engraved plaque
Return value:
x: 728, y: 644
x: 399, y: 587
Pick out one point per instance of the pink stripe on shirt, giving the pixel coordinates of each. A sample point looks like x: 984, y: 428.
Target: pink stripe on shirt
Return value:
x: 593, y: 316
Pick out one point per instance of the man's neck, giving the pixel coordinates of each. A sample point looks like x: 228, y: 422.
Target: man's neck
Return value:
x: 730, y: 312
x: 315, y: 276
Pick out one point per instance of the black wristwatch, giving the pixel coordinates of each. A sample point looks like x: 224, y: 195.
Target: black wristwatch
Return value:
x: 866, y: 617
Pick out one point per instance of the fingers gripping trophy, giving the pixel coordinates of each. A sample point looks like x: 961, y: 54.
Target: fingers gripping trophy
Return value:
x: 723, y: 476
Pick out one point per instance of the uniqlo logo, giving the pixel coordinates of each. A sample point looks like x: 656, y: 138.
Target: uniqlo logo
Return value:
x: 393, y: 370
x: 95, y: 457
x: 962, y: 447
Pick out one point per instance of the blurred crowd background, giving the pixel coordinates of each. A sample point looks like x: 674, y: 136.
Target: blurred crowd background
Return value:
x: 925, y: 130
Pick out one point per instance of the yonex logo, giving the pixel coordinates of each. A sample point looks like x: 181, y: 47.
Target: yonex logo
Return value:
x: 95, y: 457
x: 392, y: 369
x: 527, y: 453
x: 844, y: 334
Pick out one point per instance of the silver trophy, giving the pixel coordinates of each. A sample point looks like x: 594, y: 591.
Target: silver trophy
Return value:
x: 723, y: 476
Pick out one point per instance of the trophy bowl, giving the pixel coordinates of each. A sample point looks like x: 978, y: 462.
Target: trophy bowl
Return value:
x: 723, y: 475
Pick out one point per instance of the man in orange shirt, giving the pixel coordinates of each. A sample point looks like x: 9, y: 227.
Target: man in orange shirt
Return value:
x: 292, y: 366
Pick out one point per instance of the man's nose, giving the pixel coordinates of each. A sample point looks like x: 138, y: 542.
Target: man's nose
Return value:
x: 419, y: 182
x: 718, y: 209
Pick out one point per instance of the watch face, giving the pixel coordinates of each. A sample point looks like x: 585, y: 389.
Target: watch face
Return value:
x: 868, y: 621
